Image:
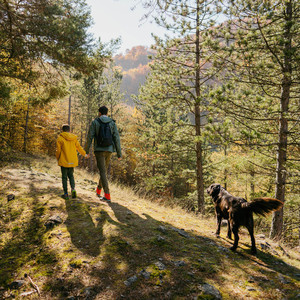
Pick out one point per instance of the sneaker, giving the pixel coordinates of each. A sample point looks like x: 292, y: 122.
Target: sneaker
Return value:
x: 74, y: 194
x: 98, y: 192
x: 65, y: 196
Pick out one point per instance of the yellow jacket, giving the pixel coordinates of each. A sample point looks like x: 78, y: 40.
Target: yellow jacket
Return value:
x: 67, y: 146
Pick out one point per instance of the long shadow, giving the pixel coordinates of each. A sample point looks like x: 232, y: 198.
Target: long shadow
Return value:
x: 27, y: 243
x: 267, y: 260
x: 139, y: 246
x: 85, y: 234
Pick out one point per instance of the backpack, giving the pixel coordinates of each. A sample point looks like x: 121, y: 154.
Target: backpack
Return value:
x: 104, y: 137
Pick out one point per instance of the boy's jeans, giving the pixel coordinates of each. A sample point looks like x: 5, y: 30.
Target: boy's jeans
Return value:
x: 103, y: 159
x: 65, y: 174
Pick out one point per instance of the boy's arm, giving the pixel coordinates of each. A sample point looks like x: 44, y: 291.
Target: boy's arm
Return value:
x: 58, y: 149
x: 79, y: 148
x: 90, y: 137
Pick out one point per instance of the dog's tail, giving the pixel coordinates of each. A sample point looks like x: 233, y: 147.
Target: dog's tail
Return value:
x: 263, y: 206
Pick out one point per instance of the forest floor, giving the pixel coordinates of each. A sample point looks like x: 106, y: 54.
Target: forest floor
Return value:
x: 131, y: 248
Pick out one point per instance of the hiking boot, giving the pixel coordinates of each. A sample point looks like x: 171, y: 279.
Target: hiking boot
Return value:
x: 74, y: 194
x: 65, y: 196
x: 98, y: 192
x: 106, y: 197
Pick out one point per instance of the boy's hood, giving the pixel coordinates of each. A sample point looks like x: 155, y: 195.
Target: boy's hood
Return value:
x: 105, y: 119
x: 68, y: 136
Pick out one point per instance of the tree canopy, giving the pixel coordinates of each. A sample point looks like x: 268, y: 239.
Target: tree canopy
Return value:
x: 37, y: 32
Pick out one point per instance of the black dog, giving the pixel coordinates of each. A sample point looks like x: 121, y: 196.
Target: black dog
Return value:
x: 239, y: 212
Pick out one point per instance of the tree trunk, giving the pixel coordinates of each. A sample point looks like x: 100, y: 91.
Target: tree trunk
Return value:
x: 153, y: 164
x: 277, y: 220
x: 69, y: 115
x: 225, y: 171
x: 26, y: 127
x: 252, y: 180
x: 200, y: 186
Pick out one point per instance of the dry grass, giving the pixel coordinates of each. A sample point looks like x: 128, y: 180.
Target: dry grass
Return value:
x: 99, y: 246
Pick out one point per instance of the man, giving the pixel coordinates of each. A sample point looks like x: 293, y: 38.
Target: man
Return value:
x: 104, y: 132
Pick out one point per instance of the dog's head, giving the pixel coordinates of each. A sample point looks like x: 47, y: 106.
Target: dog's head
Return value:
x: 214, y: 189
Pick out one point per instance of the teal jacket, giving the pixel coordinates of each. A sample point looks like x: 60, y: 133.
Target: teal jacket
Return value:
x: 93, y: 132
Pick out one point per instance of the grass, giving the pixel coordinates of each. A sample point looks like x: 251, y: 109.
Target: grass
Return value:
x: 99, y: 246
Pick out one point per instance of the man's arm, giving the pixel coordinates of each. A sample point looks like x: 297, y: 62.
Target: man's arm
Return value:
x: 90, y: 137
x: 79, y: 148
x: 117, y: 141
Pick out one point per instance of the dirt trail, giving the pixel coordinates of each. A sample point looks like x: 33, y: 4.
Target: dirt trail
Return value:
x: 129, y: 249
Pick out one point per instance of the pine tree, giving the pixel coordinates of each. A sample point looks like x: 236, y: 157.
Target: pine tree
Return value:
x: 185, y: 60
x: 262, y: 52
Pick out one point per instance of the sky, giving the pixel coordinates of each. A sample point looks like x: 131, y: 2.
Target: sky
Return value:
x: 115, y: 18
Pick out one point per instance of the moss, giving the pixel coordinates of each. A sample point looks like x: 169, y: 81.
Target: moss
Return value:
x: 76, y: 263
x: 46, y: 258
x: 16, y: 229
x: 205, y: 297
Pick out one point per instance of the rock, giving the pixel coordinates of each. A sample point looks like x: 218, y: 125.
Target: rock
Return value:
x: 264, y: 246
x: 131, y: 280
x: 179, y: 263
x: 181, y: 232
x: 261, y: 236
x: 208, y: 289
x: 224, y: 249
x: 251, y: 279
x: 162, y: 228
x: 52, y: 221
x: 267, y: 246
x: 250, y: 289
x: 56, y: 219
x: 16, y: 284
x: 75, y: 266
x: 145, y: 274
x: 160, y: 266
x: 283, y: 279
x: 10, y: 197
x: 160, y: 238
x: 88, y: 291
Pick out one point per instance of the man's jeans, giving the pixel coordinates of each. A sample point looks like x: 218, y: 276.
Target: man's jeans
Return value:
x: 103, y: 159
x: 65, y: 174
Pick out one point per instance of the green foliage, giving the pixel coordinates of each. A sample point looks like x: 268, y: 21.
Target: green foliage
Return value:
x: 54, y: 31
x: 174, y: 101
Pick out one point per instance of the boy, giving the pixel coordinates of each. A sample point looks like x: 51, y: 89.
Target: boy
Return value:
x: 67, y: 146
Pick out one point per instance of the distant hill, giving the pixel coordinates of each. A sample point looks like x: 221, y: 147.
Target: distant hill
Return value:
x: 135, y: 67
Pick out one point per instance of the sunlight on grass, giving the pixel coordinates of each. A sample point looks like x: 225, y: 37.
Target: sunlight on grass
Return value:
x: 101, y: 245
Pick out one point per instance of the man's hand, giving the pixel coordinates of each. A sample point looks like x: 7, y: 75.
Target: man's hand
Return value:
x: 87, y: 156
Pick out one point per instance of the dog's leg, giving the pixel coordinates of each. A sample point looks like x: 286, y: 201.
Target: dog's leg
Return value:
x: 228, y: 230
x: 235, y: 230
x: 250, y: 227
x: 219, y: 220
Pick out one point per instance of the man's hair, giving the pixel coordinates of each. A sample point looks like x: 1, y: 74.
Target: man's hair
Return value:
x: 66, y: 128
x: 103, y: 110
